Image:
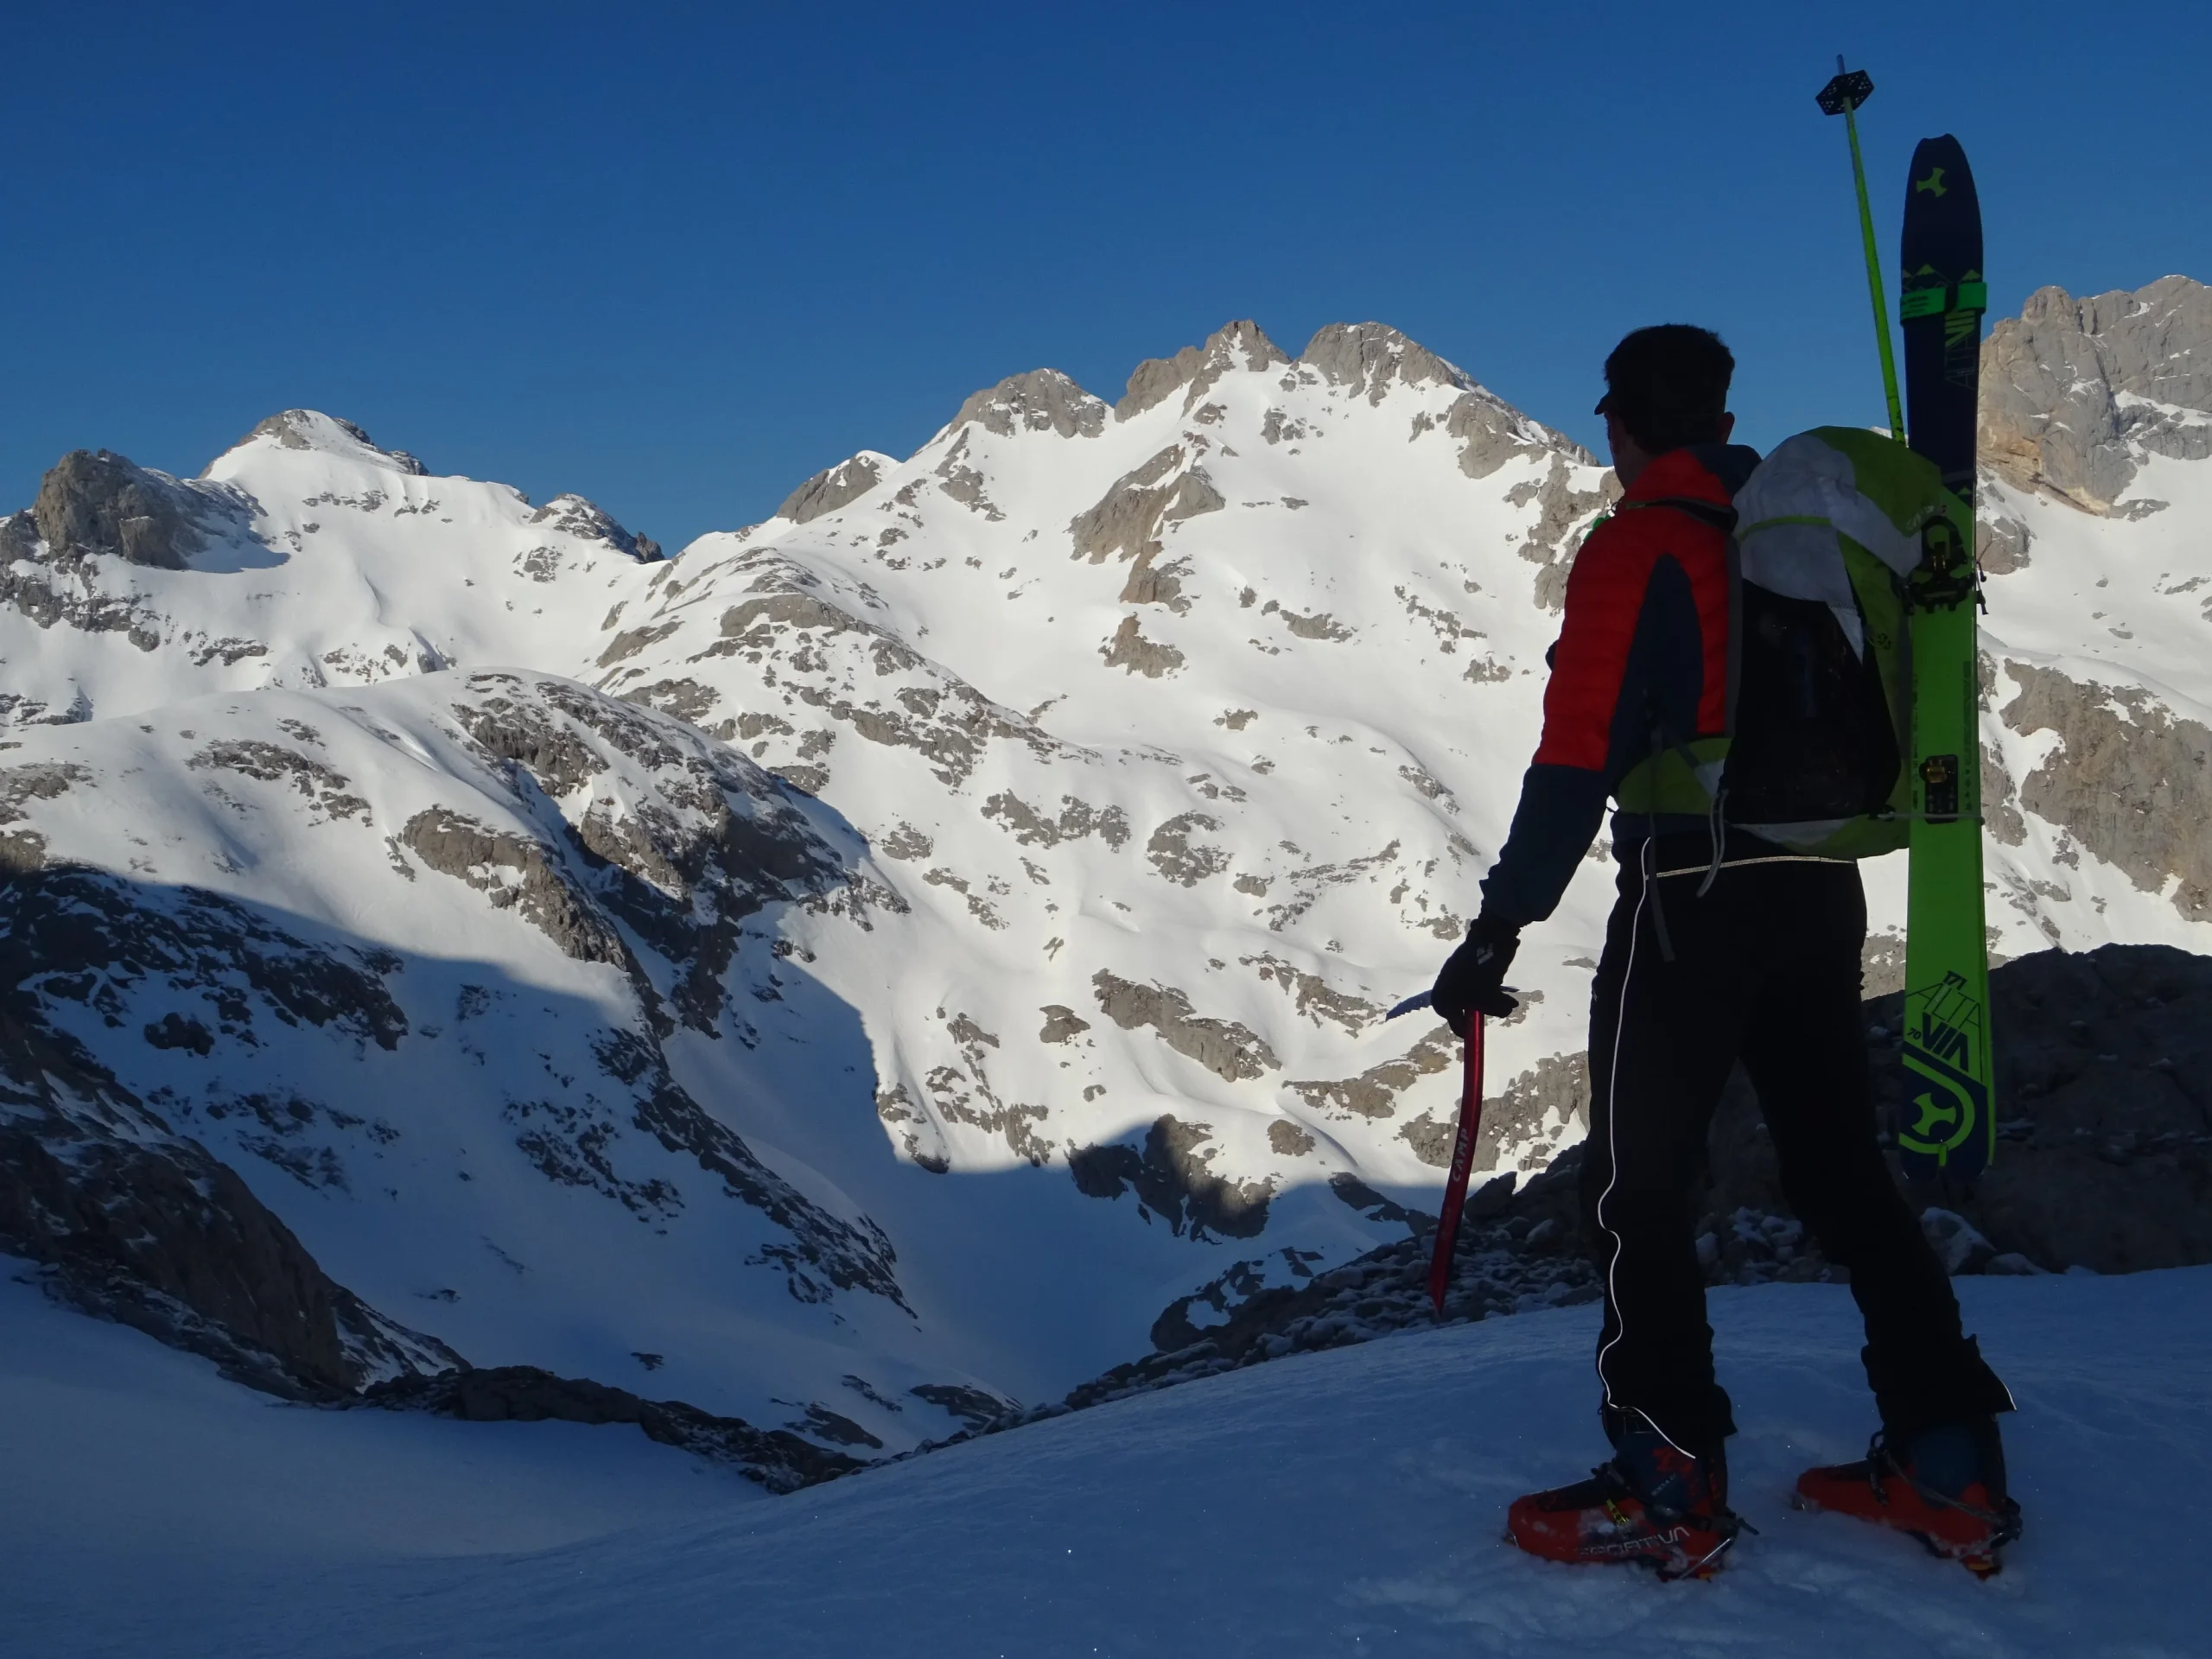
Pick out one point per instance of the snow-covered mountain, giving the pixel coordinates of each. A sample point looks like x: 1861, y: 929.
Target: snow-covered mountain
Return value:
x: 303, y: 557
x: 409, y: 848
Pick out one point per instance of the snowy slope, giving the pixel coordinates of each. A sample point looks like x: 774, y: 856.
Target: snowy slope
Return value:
x: 118, y: 1441
x: 1347, y: 1502
x: 2100, y: 713
x: 1216, y: 699
x: 1158, y: 749
x: 406, y: 958
x: 497, y: 991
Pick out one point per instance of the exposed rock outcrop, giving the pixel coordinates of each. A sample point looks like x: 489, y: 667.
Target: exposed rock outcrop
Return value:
x: 1543, y: 1109
x: 1234, y: 346
x: 1126, y: 523
x: 517, y: 872
x: 1492, y: 433
x: 1130, y: 651
x: 1560, y: 507
x: 1228, y: 1050
x: 834, y: 487
x: 1365, y: 358
x: 682, y: 879
x: 2075, y: 392
x: 309, y: 429
x: 590, y: 521
x: 1130, y: 517
x: 786, y: 622
x: 1173, y: 1178
x: 1171, y: 851
x: 2129, y: 780
x: 1042, y: 400
x: 95, y: 502
x: 1374, y: 1092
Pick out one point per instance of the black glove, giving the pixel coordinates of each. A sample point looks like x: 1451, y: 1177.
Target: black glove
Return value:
x: 1473, y: 976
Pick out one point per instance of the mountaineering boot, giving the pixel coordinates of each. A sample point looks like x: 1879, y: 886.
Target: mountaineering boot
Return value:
x: 1944, y: 1486
x: 1654, y: 1504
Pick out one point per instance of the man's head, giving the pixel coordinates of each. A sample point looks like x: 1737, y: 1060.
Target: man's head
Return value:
x: 1665, y: 387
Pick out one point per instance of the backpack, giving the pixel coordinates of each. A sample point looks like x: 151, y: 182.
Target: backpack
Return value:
x: 1829, y: 529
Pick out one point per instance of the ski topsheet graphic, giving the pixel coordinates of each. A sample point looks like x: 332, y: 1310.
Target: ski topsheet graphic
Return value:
x: 1948, y: 1126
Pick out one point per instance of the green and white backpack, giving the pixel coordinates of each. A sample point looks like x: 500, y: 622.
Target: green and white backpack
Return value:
x: 1829, y: 529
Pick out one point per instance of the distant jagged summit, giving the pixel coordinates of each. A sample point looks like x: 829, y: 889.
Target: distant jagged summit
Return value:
x: 1363, y: 359
x: 588, y: 521
x: 1366, y: 357
x: 1233, y: 345
x: 836, y: 487
x: 1042, y: 400
x: 310, y: 428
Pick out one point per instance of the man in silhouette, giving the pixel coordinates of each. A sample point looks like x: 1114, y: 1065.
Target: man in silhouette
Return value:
x: 1720, y: 947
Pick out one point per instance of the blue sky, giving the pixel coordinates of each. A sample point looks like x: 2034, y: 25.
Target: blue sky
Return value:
x: 676, y: 258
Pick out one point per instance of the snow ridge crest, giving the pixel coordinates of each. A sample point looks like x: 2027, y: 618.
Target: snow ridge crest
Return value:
x: 311, y: 430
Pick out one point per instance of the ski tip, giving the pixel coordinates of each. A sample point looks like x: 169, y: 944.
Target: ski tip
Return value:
x: 1942, y: 217
x: 1940, y: 172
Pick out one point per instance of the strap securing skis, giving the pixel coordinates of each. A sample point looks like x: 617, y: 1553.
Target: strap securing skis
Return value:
x: 1943, y: 301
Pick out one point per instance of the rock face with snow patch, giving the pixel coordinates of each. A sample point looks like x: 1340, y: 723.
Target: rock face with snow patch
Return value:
x: 1235, y: 345
x: 94, y: 503
x: 2076, y: 393
x: 834, y: 487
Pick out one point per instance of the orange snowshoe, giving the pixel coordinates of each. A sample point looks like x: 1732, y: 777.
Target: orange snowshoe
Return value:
x: 1946, y: 1487
x: 1653, y: 1505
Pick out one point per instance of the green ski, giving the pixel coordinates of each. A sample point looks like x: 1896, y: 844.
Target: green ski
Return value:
x: 1948, y: 1127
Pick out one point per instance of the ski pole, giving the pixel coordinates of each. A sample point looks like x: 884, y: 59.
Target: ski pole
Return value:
x: 1463, y: 1159
x: 1844, y: 96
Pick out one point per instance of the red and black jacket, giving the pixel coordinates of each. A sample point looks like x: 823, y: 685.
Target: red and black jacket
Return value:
x: 1641, y: 668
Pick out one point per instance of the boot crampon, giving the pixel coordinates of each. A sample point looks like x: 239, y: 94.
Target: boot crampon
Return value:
x: 1944, y: 1486
x: 1653, y: 1505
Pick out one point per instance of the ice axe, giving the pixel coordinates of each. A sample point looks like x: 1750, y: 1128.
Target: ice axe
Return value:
x: 1463, y: 1150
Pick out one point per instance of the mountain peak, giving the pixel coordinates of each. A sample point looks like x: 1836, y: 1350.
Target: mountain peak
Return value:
x: 591, y: 522
x: 1239, y: 344
x: 1040, y: 401
x: 837, y: 486
x: 309, y: 429
x: 1366, y: 357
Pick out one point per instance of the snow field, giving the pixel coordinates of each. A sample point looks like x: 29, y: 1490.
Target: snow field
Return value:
x: 1344, y: 1503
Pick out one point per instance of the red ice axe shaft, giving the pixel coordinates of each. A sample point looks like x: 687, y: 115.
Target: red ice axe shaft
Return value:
x: 1463, y: 1161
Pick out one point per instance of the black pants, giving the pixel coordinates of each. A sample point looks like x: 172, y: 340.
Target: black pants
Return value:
x: 1765, y: 967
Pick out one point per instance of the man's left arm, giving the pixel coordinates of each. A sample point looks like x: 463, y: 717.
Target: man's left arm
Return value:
x: 1563, y: 794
